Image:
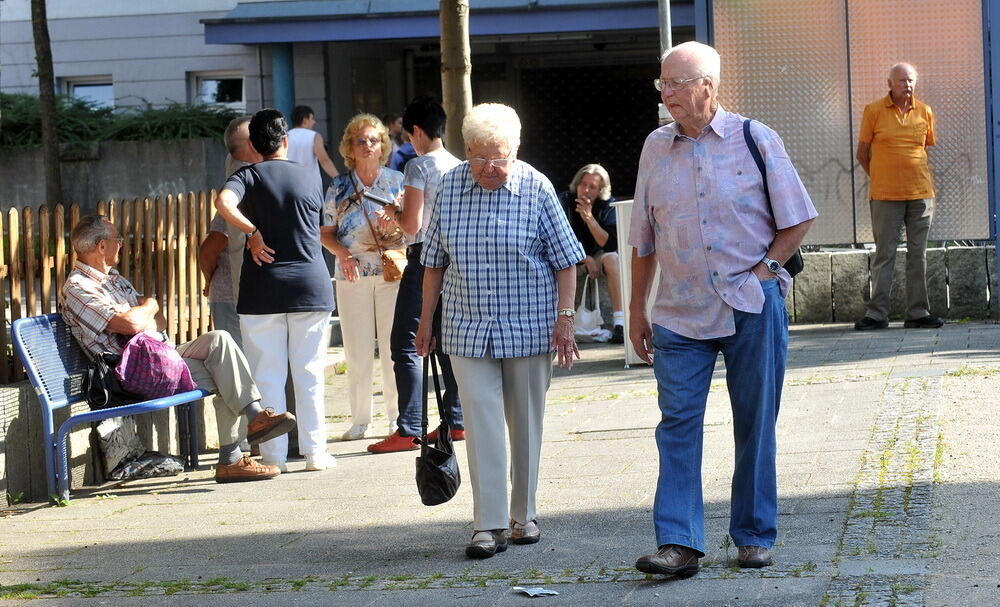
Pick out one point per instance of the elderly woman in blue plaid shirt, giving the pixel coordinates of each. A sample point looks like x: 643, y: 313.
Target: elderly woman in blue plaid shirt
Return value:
x: 499, y: 250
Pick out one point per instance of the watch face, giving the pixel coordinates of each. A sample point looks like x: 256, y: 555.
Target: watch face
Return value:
x: 773, y: 266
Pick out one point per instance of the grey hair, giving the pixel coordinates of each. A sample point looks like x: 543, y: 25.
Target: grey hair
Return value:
x: 492, y: 123
x: 706, y: 59
x: 903, y: 65
x: 230, y: 134
x: 593, y: 169
x: 90, y: 230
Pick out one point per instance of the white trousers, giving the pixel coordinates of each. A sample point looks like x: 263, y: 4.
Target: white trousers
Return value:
x: 494, y: 390
x: 273, y: 343
x: 366, y: 310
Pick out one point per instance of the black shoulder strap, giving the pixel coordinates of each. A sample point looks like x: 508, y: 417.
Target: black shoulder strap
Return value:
x: 755, y: 152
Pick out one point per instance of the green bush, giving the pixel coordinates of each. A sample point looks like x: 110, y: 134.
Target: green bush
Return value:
x: 82, y: 122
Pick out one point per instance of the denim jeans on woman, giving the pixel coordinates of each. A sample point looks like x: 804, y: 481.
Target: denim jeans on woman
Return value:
x: 407, y: 365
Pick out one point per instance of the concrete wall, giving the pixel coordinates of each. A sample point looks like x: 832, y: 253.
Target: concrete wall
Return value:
x: 834, y: 287
x: 117, y: 169
x: 22, y: 463
x: 150, y: 50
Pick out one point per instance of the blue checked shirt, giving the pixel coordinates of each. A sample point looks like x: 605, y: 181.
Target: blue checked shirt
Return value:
x: 501, y: 250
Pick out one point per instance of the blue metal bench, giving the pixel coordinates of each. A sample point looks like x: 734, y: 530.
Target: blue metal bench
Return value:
x: 56, y: 367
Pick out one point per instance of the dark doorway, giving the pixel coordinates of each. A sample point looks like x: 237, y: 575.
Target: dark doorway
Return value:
x: 572, y: 116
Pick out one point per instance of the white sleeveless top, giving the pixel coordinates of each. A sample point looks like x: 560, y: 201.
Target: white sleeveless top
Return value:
x: 300, y: 150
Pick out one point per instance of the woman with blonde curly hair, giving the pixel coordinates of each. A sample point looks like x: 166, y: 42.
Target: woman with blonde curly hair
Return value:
x: 360, y: 217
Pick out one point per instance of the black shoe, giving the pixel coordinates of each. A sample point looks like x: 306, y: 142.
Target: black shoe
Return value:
x: 485, y: 548
x: 868, y: 324
x: 617, y: 335
x: 670, y: 559
x: 754, y: 557
x: 927, y: 322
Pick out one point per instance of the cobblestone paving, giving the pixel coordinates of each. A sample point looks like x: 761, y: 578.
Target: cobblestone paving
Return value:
x: 888, y: 529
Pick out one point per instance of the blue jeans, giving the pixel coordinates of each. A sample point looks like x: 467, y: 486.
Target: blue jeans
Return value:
x: 407, y: 365
x: 755, y: 370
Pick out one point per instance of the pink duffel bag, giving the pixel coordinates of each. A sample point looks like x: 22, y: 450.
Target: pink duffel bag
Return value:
x: 152, y: 368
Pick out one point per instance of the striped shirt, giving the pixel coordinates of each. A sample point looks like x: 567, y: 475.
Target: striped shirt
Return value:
x: 501, y: 250
x: 90, y: 299
x: 700, y: 207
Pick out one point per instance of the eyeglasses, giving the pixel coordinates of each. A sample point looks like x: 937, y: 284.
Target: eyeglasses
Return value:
x: 674, y: 84
x: 500, y: 163
x: 363, y: 141
x: 120, y: 240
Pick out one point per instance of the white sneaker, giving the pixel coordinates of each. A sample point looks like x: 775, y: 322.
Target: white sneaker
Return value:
x: 320, y: 461
x: 356, y: 432
x: 283, y: 466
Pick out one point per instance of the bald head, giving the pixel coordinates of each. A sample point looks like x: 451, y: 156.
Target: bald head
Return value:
x: 699, y: 58
x: 902, y: 68
x: 902, y: 81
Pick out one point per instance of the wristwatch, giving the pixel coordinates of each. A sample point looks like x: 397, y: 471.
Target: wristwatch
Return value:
x: 567, y: 312
x: 772, y: 265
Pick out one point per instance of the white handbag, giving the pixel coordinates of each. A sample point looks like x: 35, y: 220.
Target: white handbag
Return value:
x: 589, y: 321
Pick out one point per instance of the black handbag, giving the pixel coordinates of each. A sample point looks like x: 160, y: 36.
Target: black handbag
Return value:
x: 102, y: 386
x: 438, y: 477
x: 795, y: 263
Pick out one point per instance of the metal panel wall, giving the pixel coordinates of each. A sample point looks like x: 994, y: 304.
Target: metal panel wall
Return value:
x: 807, y: 69
x: 944, y: 41
x: 784, y: 62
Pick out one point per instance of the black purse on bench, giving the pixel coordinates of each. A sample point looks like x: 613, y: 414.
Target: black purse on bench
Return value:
x: 102, y: 386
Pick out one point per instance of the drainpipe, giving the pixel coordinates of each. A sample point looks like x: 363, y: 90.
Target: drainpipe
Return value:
x: 283, y: 78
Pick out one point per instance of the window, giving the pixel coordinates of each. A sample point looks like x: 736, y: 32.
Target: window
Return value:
x: 96, y: 89
x: 218, y: 88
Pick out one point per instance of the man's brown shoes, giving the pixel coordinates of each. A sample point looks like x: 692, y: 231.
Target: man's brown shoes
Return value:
x: 244, y: 471
x: 670, y: 559
x: 268, y: 425
x: 753, y: 557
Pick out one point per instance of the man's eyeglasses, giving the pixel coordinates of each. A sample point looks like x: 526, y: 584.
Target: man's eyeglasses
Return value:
x: 363, y: 141
x: 499, y: 163
x: 674, y: 84
x: 120, y: 240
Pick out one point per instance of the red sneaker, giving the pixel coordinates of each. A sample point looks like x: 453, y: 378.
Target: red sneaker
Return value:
x: 456, y: 435
x: 394, y: 442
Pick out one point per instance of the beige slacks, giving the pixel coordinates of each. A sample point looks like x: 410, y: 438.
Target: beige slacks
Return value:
x: 217, y: 364
x: 367, y: 307
x: 888, y: 219
x: 492, y: 391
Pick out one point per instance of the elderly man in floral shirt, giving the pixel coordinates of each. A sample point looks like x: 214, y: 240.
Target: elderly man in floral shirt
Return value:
x: 702, y: 214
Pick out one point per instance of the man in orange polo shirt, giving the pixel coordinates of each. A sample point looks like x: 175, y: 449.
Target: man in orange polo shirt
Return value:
x: 892, y: 149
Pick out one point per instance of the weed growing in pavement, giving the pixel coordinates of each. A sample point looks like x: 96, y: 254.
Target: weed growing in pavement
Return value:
x: 803, y: 568
x: 17, y: 498
x: 58, y: 501
x: 966, y: 370
x: 727, y: 543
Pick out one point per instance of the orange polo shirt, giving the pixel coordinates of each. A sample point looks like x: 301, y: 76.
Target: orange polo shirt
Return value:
x: 899, y: 169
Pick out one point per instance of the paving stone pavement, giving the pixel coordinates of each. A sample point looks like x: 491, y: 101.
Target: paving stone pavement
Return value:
x: 887, y: 498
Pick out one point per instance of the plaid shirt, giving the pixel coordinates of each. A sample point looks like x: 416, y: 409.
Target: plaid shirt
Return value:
x: 90, y: 299
x: 501, y: 249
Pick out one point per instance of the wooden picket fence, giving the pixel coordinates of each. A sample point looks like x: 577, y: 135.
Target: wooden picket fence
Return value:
x: 159, y: 256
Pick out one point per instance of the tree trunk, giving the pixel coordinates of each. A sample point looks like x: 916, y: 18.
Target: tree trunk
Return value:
x: 456, y: 70
x: 47, y: 102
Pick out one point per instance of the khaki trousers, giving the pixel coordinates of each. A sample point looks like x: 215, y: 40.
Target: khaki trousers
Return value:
x: 888, y: 218
x: 492, y: 391
x: 217, y: 364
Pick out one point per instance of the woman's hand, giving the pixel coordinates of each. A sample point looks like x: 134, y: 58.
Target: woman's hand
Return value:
x: 424, y: 341
x: 564, y: 342
x: 388, y: 217
x: 349, y: 266
x: 592, y: 270
x: 260, y: 252
x: 585, y: 208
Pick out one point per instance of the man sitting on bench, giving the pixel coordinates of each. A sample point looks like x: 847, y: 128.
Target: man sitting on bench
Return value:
x: 103, y: 310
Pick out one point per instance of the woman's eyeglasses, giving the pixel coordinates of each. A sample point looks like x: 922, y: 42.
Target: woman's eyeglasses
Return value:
x: 365, y: 141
